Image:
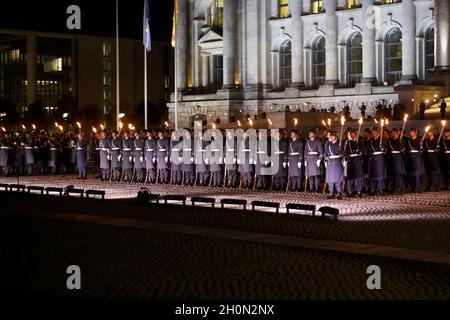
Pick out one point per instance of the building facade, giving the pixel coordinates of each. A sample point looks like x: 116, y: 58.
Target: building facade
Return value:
x: 46, y: 67
x: 239, y: 57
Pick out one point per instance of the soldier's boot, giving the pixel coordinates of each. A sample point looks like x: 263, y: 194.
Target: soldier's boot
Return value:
x: 331, y: 196
x: 339, y: 196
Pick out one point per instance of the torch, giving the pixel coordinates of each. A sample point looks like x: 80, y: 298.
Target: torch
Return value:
x: 404, y: 125
x: 342, y: 131
x: 359, y: 127
x: 3, y: 129
x: 270, y: 122
x: 94, y: 129
x: 33, y: 126
x: 381, y: 133
x: 324, y: 124
x: 425, y: 135
x: 23, y: 127
x: 442, y: 131
x: 295, y: 123
x: 79, y: 126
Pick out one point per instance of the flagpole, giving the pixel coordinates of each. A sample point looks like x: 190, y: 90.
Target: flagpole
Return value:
x: 145, y: 89
x: 176, y: 84
x: 117, y: 66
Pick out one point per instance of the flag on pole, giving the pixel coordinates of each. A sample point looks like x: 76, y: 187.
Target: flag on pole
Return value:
x: 175, y: 21
x: 147, y: 40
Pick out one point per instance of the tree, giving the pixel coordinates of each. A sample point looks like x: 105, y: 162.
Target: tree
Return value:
x: 10, y: 109
x: 35, y: 113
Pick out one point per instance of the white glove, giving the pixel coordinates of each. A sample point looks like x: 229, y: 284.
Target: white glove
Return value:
x: 318, y: 163
x: 288, y: 165
x: 131, y: 159
x: 252, y: 161
x: 119, y: 158
x: 192, y: 160
x: 326, y: 165
x: 284, y: 165
x: 206, y: 161
x: 180, y: 159
x: 238, y: 161
x: 306, y: 163
x: 299, y: 165
x: 266, y: 163
x: 167, y: 159
x: 234, y: 160
x: 108, y: 157
x: 220, y: 160
x: 344, y: 163
x: 154, y: 160
x: 141, y: 159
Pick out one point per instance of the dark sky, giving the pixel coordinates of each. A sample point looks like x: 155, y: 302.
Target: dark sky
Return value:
x: 97, y: 17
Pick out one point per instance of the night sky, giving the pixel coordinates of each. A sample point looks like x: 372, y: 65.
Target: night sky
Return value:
x: 97, y: 17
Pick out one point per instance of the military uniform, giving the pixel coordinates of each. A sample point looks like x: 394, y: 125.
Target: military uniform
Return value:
x: 216, y: 159
x: 116, y: 158
x: 162, y: 159
x: 29, y: 155
x: 431, y: 161
x: 230, y: 161
x: 295, y: 162
x: 262, y: 163
x: 280, y: 151
x: 175, y: 162
x: 150, y: 159
x: 201, y: 162
x: 138, y: 153
x: 445, y: 151
x: 80, y: 149
x: 105, y: 147
x: 54, y: 155
x: 354, y: 166
x: 313, y: 158
x: 127, y: 159
x: 187, y: 167
x: 334, y: 167
x: 414, y: 163
x: 245, y: 162
x: 5, y: 150
x: 377, y: 169
x: 395, y: 160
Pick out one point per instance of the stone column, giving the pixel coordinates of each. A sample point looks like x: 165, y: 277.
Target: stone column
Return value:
x: 298, y: 79
x: 252, y: 58
x: 31, y: 68
x: 408, y: 41
x: 331, y: 42
x: 442, y: 34
x: 182, y: 44
x: 229, y: 43
x: 205, y: 70
x: 368, y: 43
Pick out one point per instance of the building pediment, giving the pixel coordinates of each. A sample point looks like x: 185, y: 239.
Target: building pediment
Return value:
x: 210, y: 36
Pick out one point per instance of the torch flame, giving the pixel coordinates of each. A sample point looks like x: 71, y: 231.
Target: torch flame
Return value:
x: 251, y: 122
x: 270, y: 121
x: 427, y: 129
x: 61, y: 128
x: 329, y: 122
x: 23, y: 127
x: 57, y: 124
x: 324, y: 124
x: 444, y: 123
x: 405, y: 118
x: 295, y: 121
x: 342, y: 120
x: 33, y: 126
x: 3, y: 129
x: 239, y: 123
x: 361, y: 121
x: 79, y: 125
x: 94, y: 129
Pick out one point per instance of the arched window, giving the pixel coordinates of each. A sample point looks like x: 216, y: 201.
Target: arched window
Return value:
x: 316, y: 6
x: 354, y: 58
x: 318, y: 60
x: 393, y: 56
x: 283, y: 8
x: 429, y: 50
x: 286, y: 64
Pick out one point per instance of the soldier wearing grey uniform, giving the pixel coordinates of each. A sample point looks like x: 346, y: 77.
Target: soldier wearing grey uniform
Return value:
x: 215, y: 155
x: 162, y: 158
x: 80, y: 150
x: 201, y: 161
x: 295, y: 161
x: 187, y: 166
x: 139, y: 164
x: 313, y: 159
x: 105, y: 147
x: 230, y: 160
x: 150, y: 157
x: 176, y: 174
x: 116, y: 156
x: 127, y: 157
x: 334, y: 167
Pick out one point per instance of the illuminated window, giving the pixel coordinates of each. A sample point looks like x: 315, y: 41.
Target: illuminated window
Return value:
x: 215, y: 14
x: 392, y: 1
x: 316, y: 6
x: 354, y: 56
x: 393, y: 56
x: 429, y: 50
x: 53, y: 65
x: 286, y: 64
x: 318, y: 62
x: 352, y: 4
x: 283, y: 8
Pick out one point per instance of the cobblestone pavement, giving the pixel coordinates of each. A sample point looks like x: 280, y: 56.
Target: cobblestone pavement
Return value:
x: 136, y: 264
x: 429, y: 206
